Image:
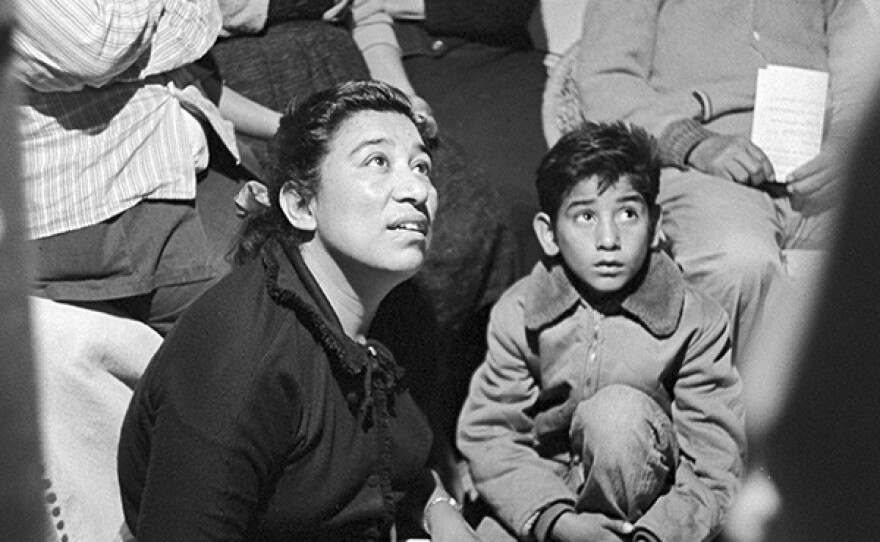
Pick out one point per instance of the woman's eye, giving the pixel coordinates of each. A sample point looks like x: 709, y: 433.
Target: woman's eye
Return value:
x: 422, y: 168
x: 377, y: 160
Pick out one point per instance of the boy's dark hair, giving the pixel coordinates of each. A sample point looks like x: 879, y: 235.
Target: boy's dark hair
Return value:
x: 607, y: 150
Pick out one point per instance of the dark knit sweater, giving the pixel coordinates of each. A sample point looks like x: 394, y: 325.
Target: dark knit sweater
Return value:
x: 258, y: 419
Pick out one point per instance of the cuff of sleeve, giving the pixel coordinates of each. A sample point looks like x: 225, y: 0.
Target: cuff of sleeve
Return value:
x: 547, y: 519
x: 705, y: 105
x: 644, y: 535
x: 678, y: 139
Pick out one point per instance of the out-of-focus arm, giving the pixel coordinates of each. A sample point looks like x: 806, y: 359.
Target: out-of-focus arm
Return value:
x: 65, y: 45
x: 374, y: 35
x: 853, y: 40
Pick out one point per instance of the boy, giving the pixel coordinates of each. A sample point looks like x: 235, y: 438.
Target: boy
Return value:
x: 607, y: 407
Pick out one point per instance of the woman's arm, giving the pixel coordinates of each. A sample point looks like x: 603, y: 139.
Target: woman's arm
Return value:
x: 248, y: 117
x: 443, y: 519
x: 375, y: 38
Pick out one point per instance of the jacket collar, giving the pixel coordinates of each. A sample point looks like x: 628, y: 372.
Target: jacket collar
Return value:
x: 656, y: 302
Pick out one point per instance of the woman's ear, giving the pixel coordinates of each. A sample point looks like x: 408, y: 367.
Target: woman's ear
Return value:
x: 543, y: 227
x: 296, y: 208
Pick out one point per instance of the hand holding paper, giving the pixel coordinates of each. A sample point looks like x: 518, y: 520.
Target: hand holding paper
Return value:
x: 789, y: 116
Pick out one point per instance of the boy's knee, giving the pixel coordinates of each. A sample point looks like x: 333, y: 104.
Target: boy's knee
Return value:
x: 621, y: 420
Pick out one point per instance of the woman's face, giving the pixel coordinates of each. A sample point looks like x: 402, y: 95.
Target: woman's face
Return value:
x: 375, y: 205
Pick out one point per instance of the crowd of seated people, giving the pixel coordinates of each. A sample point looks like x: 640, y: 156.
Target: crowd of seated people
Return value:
x: 145, y: 130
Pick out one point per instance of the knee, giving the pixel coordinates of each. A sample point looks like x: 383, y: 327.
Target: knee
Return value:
x: 619, y: 423
x: 742, y: 261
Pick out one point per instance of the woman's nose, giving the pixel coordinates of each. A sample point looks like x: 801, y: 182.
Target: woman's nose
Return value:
x: 414, y: 187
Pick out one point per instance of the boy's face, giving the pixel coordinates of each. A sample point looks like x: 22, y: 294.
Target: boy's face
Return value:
x: 604, y: 238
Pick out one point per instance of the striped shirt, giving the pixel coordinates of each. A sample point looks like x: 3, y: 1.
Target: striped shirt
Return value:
x: 111, y: 113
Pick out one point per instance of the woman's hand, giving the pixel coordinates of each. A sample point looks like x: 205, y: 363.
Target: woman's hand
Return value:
x: 443, y: 519
x: 425, y: 116
x: 448, y: 525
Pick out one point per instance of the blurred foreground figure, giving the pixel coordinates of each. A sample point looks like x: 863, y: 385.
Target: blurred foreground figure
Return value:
x: 812, y: 416
x: 20, y: 508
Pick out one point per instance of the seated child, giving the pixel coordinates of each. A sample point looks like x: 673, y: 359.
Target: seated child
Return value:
x: 607, y: 407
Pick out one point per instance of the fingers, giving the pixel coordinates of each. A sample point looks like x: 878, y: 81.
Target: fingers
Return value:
x: 735, y: 158
x: 764, y: 168
x: 620, y: 527
x: 749, y: 165
x: 425, y: 117
x: 809, y: 195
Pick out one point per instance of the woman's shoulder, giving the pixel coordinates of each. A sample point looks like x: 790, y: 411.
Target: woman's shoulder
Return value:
x: 231, y: 330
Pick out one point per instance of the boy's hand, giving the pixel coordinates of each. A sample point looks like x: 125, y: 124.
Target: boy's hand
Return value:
x: 586, y: 527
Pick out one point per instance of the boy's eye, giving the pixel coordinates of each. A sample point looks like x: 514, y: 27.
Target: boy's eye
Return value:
x: 629, y: 214
x: 586, y: 217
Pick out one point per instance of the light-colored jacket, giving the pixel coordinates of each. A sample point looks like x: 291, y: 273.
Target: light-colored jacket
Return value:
x: 665, y: 339
x: 673, y: 67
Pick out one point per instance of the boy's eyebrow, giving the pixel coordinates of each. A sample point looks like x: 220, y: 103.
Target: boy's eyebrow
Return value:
x: 580, y: 202
x: 634, y: 197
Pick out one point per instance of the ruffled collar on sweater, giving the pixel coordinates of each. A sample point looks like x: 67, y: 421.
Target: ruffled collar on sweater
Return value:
x: 362, y: 369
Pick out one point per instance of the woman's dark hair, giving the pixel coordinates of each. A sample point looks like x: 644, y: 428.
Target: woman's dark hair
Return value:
x: 607, y: 150
x: 298, y: 148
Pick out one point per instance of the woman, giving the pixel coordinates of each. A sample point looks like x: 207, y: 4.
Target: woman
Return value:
x: 267, y: 414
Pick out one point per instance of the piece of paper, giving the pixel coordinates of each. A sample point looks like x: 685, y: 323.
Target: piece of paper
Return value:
x: 789, y: 116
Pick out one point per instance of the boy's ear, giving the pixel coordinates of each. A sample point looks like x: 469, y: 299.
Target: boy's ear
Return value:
x: 543, y: 227
x: 657, y: 224
x: 297, y: 209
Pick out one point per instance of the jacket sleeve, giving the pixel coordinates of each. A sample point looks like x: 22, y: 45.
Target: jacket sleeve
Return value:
x: 65, y: 45
x: 614, y: 61
x: 494, y: 433
x: 707, y: 414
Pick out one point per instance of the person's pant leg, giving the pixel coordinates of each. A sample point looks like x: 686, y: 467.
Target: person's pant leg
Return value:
x: 628, y: 449
x: 727, y: 238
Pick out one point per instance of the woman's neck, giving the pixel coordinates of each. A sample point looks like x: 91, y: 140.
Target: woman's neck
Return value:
x: 354, y: 301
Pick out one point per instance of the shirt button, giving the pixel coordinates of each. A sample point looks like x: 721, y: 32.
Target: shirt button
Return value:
x: 756, y: 35
x: 373, y: 480
x: 437, y: 45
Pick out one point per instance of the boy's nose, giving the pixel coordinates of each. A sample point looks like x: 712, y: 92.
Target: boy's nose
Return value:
x: 607, y: 236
